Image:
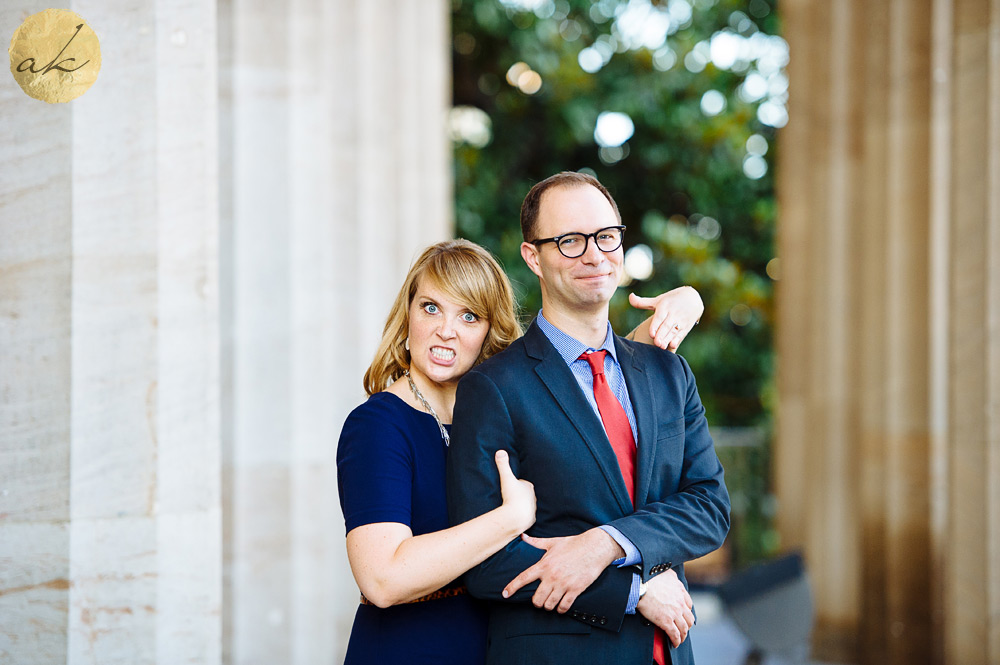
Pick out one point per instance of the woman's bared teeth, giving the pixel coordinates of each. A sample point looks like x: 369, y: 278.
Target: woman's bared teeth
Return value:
x: 442, y: 354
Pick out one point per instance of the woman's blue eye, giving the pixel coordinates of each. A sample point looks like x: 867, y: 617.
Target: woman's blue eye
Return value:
x: 430, y: 308
x: 469, y: 317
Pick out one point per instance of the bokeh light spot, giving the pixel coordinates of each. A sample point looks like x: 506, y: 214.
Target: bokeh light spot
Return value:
x: 529, y: 82
x: 664, y: 58
x: 740, y: 314
x: 639, y: 262
x: 515, y: 72
x: 713, y: 103
x: 773, y: 268
x: 754, y: 167
x: 590, y: 60
x: 468, y: 124
x: 613, y: 129
x: 757, y: 145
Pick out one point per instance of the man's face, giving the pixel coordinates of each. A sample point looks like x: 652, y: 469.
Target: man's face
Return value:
x: 588, y: 281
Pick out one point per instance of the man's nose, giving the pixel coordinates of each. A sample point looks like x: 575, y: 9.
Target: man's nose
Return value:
x: 592, y: 254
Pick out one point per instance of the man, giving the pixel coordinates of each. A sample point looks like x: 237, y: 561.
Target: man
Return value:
x: 627, y: 481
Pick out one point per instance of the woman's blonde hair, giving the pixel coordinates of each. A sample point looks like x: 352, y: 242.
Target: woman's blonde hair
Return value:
x: 469, y: 275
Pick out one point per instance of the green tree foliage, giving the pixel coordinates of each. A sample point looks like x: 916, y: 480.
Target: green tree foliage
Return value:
x: 690, y: 181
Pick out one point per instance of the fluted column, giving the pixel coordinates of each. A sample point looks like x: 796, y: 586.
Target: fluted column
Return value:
x: 36, y: 248
x: 196, y: 260
x: 109, y: 458
x: 334, y: 175
x: 888, y: 454
x: 971, y: 548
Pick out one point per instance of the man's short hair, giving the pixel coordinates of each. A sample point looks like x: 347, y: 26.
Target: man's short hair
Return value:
x: 533, y: 201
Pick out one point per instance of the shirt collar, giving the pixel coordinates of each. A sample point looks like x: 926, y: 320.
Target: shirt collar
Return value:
x: 571, y: 348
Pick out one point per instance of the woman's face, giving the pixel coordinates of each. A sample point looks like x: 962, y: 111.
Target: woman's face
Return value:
x: 446, y: 338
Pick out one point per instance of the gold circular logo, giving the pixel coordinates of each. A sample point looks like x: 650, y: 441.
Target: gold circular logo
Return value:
x: 55, y: 56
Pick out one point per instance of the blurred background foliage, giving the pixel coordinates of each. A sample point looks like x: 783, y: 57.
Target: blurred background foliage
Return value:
x: 673, y: 105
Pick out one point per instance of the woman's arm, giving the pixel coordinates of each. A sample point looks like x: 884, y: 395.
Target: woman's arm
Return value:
x: 675, y: 314
x: 393, y: 566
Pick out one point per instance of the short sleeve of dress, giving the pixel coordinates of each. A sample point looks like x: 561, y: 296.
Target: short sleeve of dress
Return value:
x: 374, y: 466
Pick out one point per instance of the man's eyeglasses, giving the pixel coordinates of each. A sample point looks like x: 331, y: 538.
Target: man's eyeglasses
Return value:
x: 574, y: 245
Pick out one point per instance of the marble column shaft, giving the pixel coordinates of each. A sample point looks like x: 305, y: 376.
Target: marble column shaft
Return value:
x: 196, y: 261
x: 110, y: 514
x: 334, y: 174
x: 888, y: 454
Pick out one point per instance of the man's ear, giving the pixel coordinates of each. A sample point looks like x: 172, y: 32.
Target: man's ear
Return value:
x: 529, y: 253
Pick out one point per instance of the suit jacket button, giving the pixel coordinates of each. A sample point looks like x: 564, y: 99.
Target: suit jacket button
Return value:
x: 647, y: 622
x: 603, y: 620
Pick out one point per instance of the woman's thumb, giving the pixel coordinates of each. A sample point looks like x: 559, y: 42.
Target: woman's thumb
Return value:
x: 641, y: 303
x: 503, y: 464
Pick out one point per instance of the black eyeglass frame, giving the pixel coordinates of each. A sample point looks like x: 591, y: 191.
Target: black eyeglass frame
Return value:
x: 586, y: 240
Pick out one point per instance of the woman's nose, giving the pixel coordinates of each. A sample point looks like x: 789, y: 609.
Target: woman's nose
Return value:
x: 447, y: 329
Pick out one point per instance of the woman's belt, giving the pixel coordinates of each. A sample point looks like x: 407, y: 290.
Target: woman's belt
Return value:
x: 434, y: 595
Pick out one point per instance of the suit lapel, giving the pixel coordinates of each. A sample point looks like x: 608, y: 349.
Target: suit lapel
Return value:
x: 562, y: 385
x: 641, y: 395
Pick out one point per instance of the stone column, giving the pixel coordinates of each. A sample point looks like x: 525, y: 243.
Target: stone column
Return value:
x: 334, y: 174
x: 888, y: 453
x: 196, y: 260
x: 970, y: 463
x: 109, y: 458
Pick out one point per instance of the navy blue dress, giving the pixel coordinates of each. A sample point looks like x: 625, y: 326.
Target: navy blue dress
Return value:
x: 391, y: 468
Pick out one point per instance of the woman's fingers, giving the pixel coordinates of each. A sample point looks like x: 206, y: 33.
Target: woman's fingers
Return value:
x: 665, y: 334
x: 675, y: 313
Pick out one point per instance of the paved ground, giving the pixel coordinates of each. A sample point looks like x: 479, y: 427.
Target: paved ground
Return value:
x: 717, y: 640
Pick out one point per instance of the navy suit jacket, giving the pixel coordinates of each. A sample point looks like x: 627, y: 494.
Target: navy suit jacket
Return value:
x: 526, y: 401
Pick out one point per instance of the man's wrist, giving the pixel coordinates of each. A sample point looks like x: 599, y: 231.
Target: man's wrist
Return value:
x: 630, y: 555
x: 609, y: 545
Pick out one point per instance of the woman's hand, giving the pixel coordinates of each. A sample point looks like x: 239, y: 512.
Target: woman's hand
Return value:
x: 674, y: 315
x: 518, y: 495
x: 393, y: 566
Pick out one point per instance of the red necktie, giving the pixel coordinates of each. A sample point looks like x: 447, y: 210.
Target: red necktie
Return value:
x: 616, y: 423
x: 619, y: 433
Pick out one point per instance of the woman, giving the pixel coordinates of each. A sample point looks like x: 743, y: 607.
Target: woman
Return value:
x: 455, y: 309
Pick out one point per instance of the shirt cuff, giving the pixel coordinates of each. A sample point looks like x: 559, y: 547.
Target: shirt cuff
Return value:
x: 632, y: 556
x: 633, y: 594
